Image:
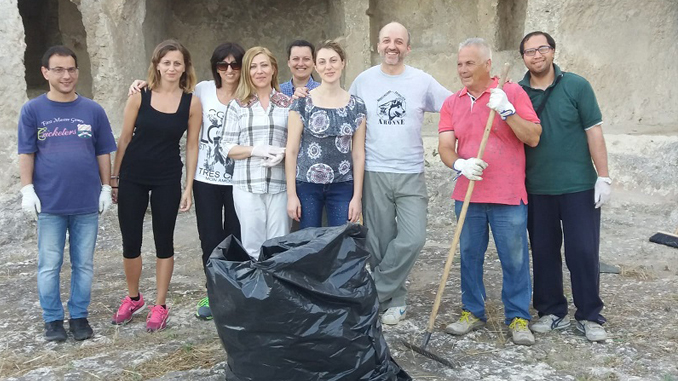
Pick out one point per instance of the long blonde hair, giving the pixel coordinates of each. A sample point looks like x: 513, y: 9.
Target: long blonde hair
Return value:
x: 246, y: 89
x: 188, y: 79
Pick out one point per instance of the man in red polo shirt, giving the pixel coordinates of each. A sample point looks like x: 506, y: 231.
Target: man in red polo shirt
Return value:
x: 500, y: 199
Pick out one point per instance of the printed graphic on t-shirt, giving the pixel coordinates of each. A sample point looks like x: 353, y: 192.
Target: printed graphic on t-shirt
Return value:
x: 210, y: 142
x: 84, y: 131
x: 49, y: 131
x: 392, y: 108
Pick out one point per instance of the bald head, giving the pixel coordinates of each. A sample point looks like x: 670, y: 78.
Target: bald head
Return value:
x: 396, y: 28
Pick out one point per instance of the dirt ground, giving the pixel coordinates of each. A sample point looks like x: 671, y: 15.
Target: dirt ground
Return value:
x: 640, y: 305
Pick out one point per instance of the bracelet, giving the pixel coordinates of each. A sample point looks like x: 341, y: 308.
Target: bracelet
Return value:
x: 114, y: 187
x: 115, y: 177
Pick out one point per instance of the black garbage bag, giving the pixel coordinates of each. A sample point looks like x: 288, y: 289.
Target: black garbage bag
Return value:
x: 307, y: 310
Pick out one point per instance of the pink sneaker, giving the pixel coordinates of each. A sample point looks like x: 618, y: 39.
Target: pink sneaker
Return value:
x: 128, y: 307
x: 157, y: 318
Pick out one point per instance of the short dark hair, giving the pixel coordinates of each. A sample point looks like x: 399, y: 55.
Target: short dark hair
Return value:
x: 549, y: 40
x: 222, y: 52
x: 300, y: 43
x: 57, y: 50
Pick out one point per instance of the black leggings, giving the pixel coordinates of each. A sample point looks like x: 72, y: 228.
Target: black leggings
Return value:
x: 132, y: 205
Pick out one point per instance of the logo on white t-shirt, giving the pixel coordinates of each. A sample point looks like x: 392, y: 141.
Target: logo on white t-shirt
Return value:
x: 392, y: 108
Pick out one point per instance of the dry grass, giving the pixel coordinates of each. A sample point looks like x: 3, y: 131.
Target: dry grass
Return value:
x: 637, y: 272
x: 495, y: 320
x: 13, y: 365
x: 188, y: 357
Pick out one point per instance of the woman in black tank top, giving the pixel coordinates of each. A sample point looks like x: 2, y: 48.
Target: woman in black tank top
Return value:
x: 148, y: 166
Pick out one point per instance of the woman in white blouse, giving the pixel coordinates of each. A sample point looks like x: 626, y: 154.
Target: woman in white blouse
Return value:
x: 254, y: 135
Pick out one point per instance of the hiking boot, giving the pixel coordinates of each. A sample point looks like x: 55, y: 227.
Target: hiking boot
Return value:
x: 394, y: 315
x: 80, y: 329
x: 204, y: 312
x: 520, y: 333
x: 467, y: 322
x: 128, y: 307
x: 592, y: 330
x: 548, y: 323
x: 54, y: 331
x: 157, y: 318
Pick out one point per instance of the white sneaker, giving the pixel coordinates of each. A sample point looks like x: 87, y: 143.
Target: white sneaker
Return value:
x: 548, y: 323
x: 592, y: 330
x: 520, y: 334
x: 394, y: 315
x: 467, y: 322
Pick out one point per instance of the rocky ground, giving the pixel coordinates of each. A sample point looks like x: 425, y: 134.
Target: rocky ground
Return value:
x: 640, y: 308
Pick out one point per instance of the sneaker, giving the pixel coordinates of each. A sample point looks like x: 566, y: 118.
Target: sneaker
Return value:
x: 157, y: 318
x: 520, y: 333
x: 394, y: 315
x: 204, y: 312
x: 54, y: 331
x: 466, y: 323
x: 80, y: 329
x: 592, y: 330
x: 128, y: 307
x: 548, y: 323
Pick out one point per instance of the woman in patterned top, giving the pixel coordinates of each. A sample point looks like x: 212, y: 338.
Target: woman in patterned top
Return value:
x: 326, y: 148
x: 254, y: 135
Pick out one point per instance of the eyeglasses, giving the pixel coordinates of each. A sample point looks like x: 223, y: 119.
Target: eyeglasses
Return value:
x: 223, y: 65
x: 62, y: 70
x: 542, y: 50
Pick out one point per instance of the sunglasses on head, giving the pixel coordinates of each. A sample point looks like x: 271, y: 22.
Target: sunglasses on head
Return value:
x: 223, y: 65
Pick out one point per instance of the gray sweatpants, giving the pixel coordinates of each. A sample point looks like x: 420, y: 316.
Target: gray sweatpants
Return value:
x: 394, y: 211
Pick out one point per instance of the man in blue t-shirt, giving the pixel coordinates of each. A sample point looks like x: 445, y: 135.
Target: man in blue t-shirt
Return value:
x: 65, y: 141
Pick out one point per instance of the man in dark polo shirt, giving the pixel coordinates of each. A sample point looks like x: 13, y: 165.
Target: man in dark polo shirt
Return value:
x: 567, y: 183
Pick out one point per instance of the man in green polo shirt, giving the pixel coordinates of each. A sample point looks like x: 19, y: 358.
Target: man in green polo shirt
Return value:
x: 567, y: 183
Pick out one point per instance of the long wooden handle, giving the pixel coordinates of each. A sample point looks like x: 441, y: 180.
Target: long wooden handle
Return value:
x: 464, y: 208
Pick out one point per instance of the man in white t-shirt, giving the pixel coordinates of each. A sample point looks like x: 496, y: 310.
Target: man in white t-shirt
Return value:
x: 394, y: 194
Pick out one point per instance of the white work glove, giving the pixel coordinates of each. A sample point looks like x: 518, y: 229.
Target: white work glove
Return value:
x: 471, y: 168
x: 30, y: 203
x: 602, y: 191
x: 273, y: 161
x: 105, y: 199
x: 266, y: 151
x: 499, y: 102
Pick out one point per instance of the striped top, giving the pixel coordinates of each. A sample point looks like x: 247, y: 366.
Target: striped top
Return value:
x: 251, y: 125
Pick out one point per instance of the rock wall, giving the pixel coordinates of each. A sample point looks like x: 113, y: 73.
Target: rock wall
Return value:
x: 117, y: 51
x: 12, y: 91
x: 73, y: 35
x: 349, y: 21
x: 155, y: 28
x: 41, y: 28
x: 625, y: 49
x: 270, y: 23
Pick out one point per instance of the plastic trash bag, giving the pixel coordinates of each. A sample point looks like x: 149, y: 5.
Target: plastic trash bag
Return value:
x: 307, y: 310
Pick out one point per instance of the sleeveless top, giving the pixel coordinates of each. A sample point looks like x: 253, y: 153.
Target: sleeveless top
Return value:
x: 153, y: 155
x: 325, y: 148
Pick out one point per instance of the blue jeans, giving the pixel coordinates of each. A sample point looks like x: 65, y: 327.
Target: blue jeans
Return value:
x: 509, y: 229
x: 334, y: 197
x: 82, y: 230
